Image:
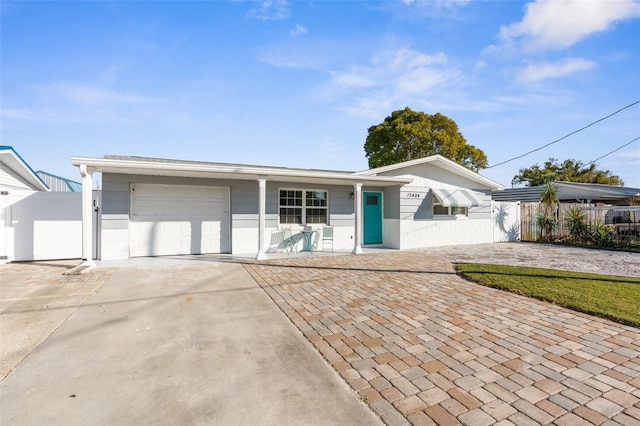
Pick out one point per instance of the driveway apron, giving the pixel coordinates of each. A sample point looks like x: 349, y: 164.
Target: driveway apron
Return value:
x: 423, y: 346
x: 184, y: 343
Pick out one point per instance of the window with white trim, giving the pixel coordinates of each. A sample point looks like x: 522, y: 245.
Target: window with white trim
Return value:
x: 303, y: 207
x: 440, y: 210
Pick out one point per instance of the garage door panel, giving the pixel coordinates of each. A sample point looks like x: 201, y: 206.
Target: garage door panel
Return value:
x: 168, y: 220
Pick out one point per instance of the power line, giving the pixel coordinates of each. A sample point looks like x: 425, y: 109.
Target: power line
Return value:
x: 609, y: 153
x: 565, y: 136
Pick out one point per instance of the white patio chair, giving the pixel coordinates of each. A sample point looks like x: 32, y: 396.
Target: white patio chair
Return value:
x: 316, y: 241
x: 327, y: 236
x: 290, y: 241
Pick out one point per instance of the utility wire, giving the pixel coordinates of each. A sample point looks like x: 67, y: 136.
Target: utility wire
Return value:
x: 565, y: 136
x: 609, y: 153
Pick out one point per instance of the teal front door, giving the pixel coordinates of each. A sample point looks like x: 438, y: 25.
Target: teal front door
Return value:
x: 372, y: 217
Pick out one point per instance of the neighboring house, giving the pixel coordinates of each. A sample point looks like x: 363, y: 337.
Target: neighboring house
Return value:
x: 164, y: 207
x: 600, y: 203
x: 35, y: 223
x: 59, y: 184
x: 16, y: 175
x: 573, y: 192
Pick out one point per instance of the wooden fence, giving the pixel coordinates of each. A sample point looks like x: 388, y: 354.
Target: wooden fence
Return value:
x: 624, y: 222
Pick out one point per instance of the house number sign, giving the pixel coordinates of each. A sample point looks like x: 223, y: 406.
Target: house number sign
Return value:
x: 414, y: 195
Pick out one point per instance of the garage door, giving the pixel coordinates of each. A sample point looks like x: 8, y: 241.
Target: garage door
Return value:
x: 175, y: 219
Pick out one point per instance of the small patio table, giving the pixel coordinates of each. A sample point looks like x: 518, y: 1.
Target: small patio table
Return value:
x: 307, y: 238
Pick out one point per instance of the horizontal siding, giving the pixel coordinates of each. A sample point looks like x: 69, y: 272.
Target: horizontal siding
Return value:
x: 244, y: 210
x: 391, y: 203
x: 10, y: 179
x: 429, y: 175
x: 416, y: 203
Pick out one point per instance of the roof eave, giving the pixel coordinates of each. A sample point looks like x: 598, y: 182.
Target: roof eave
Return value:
x: 17, y: 164
x: 238, y: 172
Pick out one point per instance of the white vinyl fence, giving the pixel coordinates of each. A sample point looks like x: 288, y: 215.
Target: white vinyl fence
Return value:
x: 41, y: 226
x: 506, y: 221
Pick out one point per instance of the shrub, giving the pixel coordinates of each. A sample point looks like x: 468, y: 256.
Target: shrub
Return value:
x: 547, y: 224
x: 601, y: 235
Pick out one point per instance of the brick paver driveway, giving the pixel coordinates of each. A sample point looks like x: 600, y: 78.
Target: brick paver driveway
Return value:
x: 421, y: 345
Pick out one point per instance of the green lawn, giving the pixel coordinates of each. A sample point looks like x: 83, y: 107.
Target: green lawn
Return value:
x: 615, y: 298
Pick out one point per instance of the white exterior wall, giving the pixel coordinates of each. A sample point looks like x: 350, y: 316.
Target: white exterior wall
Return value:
x: 434, y: 233
x: 417, y: 227
x: 430, y: 176
x: 341, y: 215
x: 115, y: 225
x: 391, y: 233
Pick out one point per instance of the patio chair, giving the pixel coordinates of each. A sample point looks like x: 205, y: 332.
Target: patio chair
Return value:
x: 327, y: 236
x: 316, y: 241
x: 290, y: 241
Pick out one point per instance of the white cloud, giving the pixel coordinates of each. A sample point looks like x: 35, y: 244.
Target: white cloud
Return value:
x: 88, y: 94
x: 59, y: 115
x: 421, y: 80
x: 398, y: 72
x: 298, y: 30
x: 559, y: 24
x: 408, y: 59
x: 353, y: 79
x: 396, y: 76
x: 479, y: 65
x: 270, y: 10
x: 74, y: 102
x: 542, y: 71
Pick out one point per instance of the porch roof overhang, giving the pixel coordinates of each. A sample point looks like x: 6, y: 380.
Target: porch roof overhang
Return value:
x: 161, y: 167
x: 456, y: 197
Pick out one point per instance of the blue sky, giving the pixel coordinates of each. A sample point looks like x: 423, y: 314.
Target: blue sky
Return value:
x: 298, y: 84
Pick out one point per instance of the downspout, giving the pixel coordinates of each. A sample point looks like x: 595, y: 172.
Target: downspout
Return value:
x: 357, y: 205
x: 87, y: 216
x: 262, y: 196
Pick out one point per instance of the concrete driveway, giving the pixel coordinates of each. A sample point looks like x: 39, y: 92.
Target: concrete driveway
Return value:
x: 163, y: 342
x: 423, y: 346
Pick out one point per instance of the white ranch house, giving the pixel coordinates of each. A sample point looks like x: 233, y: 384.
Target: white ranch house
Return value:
x: 153, y: 207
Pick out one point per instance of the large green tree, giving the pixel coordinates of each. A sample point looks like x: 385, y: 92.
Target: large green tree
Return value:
x: 568, y: 171
x: 407, y: 135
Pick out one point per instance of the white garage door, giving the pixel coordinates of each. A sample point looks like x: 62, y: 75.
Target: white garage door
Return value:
x: 175, y: 219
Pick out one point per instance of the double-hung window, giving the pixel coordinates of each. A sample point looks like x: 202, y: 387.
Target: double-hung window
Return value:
x: 303, y: 207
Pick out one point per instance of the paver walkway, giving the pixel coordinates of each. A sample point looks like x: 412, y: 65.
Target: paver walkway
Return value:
x: 422, y: 346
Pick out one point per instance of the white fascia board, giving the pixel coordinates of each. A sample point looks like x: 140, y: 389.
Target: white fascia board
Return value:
x: 116, y: 165
x: 397, y: 166
x: 18, y: 165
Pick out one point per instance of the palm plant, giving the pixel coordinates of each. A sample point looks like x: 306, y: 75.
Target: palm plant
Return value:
x: 549, y: 198
x: 576, y: 223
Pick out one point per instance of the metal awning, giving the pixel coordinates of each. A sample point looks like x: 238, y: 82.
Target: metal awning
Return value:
x: 457, y: 197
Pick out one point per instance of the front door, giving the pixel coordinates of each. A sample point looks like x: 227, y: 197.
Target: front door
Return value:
x: 372, y: 217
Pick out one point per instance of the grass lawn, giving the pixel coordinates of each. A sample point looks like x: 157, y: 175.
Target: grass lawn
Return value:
x: 612, y: 297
